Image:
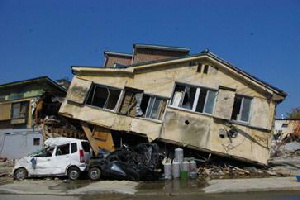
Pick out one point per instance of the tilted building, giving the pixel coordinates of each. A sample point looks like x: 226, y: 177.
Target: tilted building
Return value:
x: 164, y: 94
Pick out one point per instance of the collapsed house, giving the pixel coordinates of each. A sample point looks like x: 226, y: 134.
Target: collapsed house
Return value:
x: 164, y: 94
x: 29, y: 115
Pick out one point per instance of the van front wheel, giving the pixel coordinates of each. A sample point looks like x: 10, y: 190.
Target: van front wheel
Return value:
x: 73, y: 173
x: 20, y: 174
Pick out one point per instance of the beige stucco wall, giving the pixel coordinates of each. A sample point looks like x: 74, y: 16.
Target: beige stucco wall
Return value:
x: 111, y: 120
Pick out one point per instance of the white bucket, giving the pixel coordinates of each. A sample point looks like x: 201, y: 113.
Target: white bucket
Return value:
x: 168, y: 170
x: 193, y: 166
x: 175, y: 169
x: 179, y: 154
x: 185, y: 166
x: 193, y: 175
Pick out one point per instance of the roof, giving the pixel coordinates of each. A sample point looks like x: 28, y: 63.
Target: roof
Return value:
x: 253, y: 78
x: 209, y: 54
x: 117, y: 54
x: 52, y: 142
x: 39, y: 81
x: 161, y: 47
x: 206, y: 52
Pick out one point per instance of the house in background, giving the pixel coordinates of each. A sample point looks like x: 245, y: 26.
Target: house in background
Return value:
x: 19, y: 100
x: 163, y: 94
x: 287, y: 129
x: 26, y: 114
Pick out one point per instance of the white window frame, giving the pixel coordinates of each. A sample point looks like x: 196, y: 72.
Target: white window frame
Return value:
x: 106, y: 101
x: 150, y: 107
x: 241, y: 110
x: 196, y: 99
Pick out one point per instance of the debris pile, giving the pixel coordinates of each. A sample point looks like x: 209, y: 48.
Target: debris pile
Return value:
x: 218, y: 172
x: 137, y: 163
x: 285, y: 160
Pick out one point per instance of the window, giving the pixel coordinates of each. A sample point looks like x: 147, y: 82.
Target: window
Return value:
x: 193, y: 98
x: 63, y: 150
x: 86, y: 146
x: 284, y: 125
x: 199, y: 67
x: 153, y: 106
x: 43, y: 153
x: 103, y: 97
x: 36, y: 141
x: 19, y: 110
x: 206, y: 67
x: 73, y: 147
x: 192, y: 64
x: 241, y: 108
x: 137, y: 104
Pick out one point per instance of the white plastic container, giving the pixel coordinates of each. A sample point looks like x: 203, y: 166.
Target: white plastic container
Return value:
x: 193, y: 166
x: 193, y: 175
x: 179, y: 155
x: 168, y: 170
x: 185, y: 166
x: 175, y: 169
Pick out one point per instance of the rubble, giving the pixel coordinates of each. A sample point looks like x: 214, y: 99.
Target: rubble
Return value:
x: 137, y: 163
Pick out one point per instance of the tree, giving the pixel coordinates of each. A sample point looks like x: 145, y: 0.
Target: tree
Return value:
x: 295, y: 114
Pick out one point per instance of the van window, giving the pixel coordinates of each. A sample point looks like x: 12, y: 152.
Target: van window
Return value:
x: 73, y: 147
x: 43, y: 153
x: 63, y: 150
x: 85, y: 146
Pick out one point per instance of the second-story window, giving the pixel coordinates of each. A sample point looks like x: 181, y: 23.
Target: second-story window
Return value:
x: 19, y: 110
x: 241, y: 108
x: 198, y: 99
x: 103, y: 96
x: 153, y: 106
x: 136, y: 103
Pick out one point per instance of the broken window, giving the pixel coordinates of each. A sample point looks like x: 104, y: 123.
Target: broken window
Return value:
x: 241, y: 108
x: 131, y: 103
x: 137, y: 104
x: 155, y: 107
x: 193, y: 98
x: 103, y: 97
x: 19, y: 110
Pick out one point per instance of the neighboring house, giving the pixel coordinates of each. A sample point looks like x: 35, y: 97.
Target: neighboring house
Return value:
x: 286, y: 127
x: 24, y: 105
x: 198, y: 101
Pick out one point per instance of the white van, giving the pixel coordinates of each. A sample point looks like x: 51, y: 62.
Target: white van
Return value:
x: 60, y: 157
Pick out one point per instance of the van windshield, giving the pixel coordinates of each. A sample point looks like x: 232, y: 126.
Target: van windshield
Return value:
x: 42, y: 153
x: 85, y: 146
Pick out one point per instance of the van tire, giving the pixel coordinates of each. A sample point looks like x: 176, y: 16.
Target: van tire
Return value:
x: 20, y: 174
x: 73, y: 173
x: 94, y: 174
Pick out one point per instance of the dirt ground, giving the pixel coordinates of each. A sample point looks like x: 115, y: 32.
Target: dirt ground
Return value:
x: 6, y: 168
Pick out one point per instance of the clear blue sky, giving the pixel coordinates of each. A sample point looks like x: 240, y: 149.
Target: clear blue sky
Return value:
x: 47, y: 37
